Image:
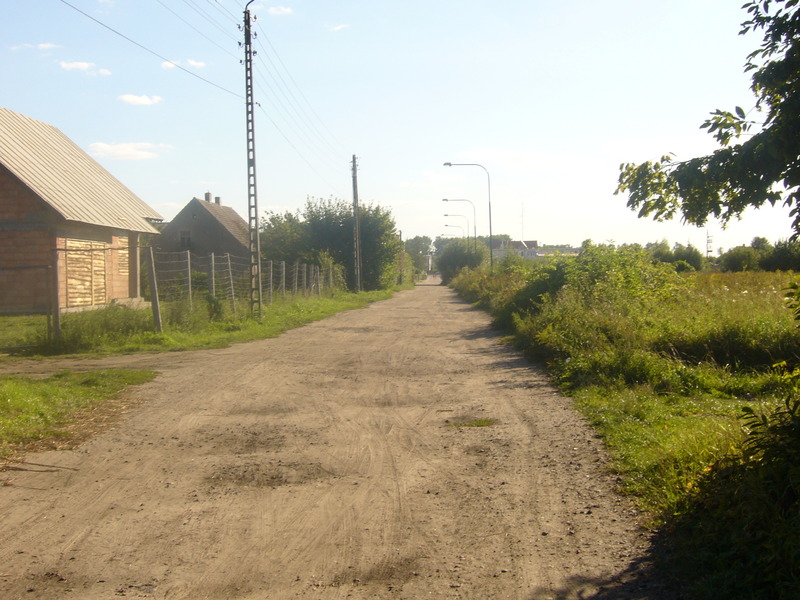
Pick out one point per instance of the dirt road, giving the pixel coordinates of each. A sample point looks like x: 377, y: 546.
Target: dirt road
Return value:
x: 327, y: 463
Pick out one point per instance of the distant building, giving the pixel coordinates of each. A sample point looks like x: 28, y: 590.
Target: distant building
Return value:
x: 563, y: 250
x: 205, y: 227
x: 525, y: 249
x: 69, y: 231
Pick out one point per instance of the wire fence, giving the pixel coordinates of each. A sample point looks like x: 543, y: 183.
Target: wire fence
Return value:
x: 83, y: 278
x: 227, y: 278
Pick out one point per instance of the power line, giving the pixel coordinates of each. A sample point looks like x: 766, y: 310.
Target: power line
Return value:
x: 211, y: 20
x: 300, y: 154
x: 153, y: 52
x: 293, y: 101
x: 279, y: 95
x: 234, y: 18
x: 291, y: 120
x: 198, y: 31
x: 319, y: 134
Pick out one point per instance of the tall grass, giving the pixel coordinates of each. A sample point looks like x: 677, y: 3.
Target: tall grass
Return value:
x: 19, y: 330
x: 119, y: 329
x: 663, y: 364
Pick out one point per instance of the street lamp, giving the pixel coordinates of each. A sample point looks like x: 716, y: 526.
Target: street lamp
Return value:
x: 466, y: 218
x: 489, y: 184
x: 459, y: 226
x: 474, y: 218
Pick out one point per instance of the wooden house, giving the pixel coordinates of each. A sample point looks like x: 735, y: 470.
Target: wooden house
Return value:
x: 69, y: 231
x: 205, y: 227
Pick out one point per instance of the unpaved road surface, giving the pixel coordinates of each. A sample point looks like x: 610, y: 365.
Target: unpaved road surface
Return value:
x: 327, y: 463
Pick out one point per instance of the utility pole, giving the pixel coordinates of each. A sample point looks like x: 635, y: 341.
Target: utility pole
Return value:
x: 356, y: 229
x: 252, y: 196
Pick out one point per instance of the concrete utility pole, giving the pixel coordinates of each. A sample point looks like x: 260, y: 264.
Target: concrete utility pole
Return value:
x: 252, y: 196
x: 356, y: 229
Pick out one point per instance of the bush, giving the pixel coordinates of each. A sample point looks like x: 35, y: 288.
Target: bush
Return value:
x: 663, y: 363
x: 458, y: 255
x: 739, y: 535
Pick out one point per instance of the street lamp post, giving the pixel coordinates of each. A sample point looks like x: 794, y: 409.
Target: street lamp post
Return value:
x: 459, y: 226
x: 489, y: 188
x: 466, y: 218
x: 474, y: 218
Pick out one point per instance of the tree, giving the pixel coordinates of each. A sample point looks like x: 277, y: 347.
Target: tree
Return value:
x: 323, y: 233
x: 762, y: 168
x: 660, y: 251
x: 381, y: 248
x: 330, y: 229
x: 761, y: 244
x: 284, y: 237
x: 740, y: 258
x: 458, y: 254
x: 689, y: 255
x: 783, y: 256
x: 418, y: 248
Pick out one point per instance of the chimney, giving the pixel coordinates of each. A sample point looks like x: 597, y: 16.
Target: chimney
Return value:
x: 208, y: 196
x: 217, y: 200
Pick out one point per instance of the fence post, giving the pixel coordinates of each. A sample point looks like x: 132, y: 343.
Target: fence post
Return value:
x: 294, y: 279
x: 283, y: 278
x: 230, y: 283
x: 269, y: 266
x: 189, y: 275
x: 52, y: 279
x: 154, y: 292
x: 212, y: 284
x: 305, y: 279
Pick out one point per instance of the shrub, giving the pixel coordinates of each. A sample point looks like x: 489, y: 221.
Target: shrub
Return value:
x: 458, y: 255
x: 739, y: 534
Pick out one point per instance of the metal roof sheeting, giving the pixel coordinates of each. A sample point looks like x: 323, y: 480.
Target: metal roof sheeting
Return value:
x: 67, y: 178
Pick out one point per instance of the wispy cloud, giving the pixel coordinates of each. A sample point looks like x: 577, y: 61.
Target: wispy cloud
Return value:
x: 140, y: 100
x: 86, y: 67
x: 171, y: 64
x: 279, y: 10
x: 338, y: 27
x: 42, y: 46
x: 127, y: 151
x: 76, y: 66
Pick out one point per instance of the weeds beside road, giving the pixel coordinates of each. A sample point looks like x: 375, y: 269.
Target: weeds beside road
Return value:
x: 663, y: 364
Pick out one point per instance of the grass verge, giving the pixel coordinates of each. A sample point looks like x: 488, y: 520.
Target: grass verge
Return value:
x: 671, y: 368
x: 121, y: 330
x: 51, y: 411
x: 32, y: 410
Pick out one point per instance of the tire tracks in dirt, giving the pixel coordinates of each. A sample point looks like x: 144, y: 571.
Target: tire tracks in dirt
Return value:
x: 327, y: 463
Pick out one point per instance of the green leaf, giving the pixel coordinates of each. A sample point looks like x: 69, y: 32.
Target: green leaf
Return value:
x: 740, y: 112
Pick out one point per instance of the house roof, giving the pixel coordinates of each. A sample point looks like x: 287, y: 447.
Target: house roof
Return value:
x: 226, y: 216
x: 67, y: 178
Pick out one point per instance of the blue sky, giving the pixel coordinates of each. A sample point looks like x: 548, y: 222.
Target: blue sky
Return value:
x: 550, y: 97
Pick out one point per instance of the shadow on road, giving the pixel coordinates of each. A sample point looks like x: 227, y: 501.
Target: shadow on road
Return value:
x: 640, y: 581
